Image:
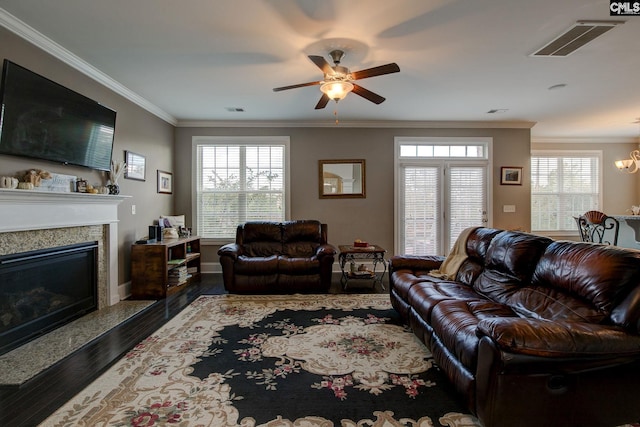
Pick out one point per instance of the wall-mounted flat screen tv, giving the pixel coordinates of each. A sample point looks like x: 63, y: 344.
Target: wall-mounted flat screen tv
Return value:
x: 44, y: 120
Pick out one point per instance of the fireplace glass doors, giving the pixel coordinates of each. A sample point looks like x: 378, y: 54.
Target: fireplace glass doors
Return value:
x: 44, y: 289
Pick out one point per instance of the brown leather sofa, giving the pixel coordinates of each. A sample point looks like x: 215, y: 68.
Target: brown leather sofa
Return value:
x: 278, y: 257
x: 532, y: 332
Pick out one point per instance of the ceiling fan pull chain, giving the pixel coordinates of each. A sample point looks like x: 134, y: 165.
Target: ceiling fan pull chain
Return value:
x: 335, y: 113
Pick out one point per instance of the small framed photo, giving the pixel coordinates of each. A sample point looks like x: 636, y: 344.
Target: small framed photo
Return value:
x: 165, y: 182
x: 136, y: 165
x: 511, y: 175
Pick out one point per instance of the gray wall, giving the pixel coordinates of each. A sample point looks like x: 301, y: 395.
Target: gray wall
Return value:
x: 168, y: 148
x: 136, y: 130
x: 371, y: 218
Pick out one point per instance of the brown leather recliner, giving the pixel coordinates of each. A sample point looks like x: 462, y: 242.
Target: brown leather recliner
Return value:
x: 278, y: 257
x: 531, y: 331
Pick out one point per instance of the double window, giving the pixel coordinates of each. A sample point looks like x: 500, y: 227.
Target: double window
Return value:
x: 564, y: 185
x: 239, y: 180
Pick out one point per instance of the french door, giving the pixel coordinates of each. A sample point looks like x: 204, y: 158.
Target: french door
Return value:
x: 436, y: 200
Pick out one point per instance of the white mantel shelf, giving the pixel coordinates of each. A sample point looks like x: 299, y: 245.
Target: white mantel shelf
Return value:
x: 26, y: 210
x: 35, y: 210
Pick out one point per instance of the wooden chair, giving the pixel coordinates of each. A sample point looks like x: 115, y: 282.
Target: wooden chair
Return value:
x: 594, y: 225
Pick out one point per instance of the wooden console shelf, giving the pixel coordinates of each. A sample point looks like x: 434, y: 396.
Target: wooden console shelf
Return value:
x: 162, y: 268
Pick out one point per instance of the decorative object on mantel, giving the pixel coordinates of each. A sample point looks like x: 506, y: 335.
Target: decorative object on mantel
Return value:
x: 635, y: 210
x: 25, y: 186
x: 34, y: 176
x: 632, y: 164
x: 114, y: 175
x: 59, y: 183
x: 8, y: 182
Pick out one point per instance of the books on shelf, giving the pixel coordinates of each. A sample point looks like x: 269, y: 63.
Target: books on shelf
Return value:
x: 178, y: 276
x: 176, y: 261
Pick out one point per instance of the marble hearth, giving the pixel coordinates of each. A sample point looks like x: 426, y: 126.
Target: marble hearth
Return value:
x: 34, y: 220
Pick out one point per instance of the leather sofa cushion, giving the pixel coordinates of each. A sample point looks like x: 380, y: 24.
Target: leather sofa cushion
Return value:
x: 599, y: 274
x: 301, y: 238
x: 303, y: 230
x: 255, y: 266
x: 300, y: 249
x: 404, y: 279
x: 455, y: 322
x: 261, y: 239
x: 559, y: 338
x: 478, y: 242
x: 288, y: 265
x: 477, y: 245
x: 510, y: 262
x: 423, y: 296
x: 542, y: 302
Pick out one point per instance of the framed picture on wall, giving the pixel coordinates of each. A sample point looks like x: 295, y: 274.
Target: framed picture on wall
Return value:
x: 511, y: 175
x: 165, y: 182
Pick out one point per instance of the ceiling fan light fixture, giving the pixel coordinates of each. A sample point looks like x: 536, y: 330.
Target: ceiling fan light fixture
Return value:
x: 336, y: 90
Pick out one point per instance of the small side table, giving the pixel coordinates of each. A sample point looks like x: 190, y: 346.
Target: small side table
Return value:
x: 350, y: 254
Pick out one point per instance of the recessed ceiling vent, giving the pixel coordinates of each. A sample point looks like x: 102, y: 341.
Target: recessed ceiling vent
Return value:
x: 576, y: 37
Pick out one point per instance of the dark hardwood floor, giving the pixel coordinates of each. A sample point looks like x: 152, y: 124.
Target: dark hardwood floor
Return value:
x: 33, y: 401
x: 30, y: 403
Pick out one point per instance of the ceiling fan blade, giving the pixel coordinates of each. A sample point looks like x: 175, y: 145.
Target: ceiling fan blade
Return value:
x: 376, y: 71
x: 322, y: 64
x: 324, y: 100
x: 278, y: 89
x: 367, y: 94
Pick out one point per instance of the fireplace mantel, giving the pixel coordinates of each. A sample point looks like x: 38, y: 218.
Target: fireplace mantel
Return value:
x: 35, y: 210
x: 25, y: 210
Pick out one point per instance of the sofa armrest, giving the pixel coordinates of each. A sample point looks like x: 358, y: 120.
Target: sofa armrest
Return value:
x: 325, y: 250
x: 559, y: 338
x: 415, y: 262
x: 232, y: 250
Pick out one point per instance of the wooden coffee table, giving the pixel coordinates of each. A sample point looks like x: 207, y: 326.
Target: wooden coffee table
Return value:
x: 351, y: 270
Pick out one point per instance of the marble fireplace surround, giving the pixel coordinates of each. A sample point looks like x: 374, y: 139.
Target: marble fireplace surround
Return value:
x: 33, y: 220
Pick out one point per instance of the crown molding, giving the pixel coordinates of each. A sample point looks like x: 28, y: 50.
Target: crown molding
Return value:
x: 585, y: 140
x: 41, y: 41
x: 359, y: 124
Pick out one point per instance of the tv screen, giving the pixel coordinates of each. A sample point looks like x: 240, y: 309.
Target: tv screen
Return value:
x: 44, y: 120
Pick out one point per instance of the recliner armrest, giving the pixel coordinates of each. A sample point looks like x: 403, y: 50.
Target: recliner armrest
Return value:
x: 232, y: 250
x: 415, y: 262
x: 325, y: 250
x: 559, y: 338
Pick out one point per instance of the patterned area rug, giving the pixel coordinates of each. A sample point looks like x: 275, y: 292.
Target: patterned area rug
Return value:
x: 315, y: 360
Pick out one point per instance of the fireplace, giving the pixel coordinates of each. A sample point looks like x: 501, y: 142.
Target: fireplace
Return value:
x: 34, y: 221
x: 44, y: 289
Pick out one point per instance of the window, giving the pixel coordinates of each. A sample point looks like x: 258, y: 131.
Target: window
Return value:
x: 239, y: 180
x: 563, y: 185
x: 442, y: 188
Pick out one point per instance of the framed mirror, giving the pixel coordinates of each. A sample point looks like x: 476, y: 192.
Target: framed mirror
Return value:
x: 341, y: 178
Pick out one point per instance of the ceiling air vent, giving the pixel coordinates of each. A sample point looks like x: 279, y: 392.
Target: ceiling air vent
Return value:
x: 576, y: 37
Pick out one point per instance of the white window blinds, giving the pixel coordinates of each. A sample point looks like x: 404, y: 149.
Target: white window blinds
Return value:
x: 467, y: 194
x: 239, y: 182
x: 421, y: 219
x: 563, y: 185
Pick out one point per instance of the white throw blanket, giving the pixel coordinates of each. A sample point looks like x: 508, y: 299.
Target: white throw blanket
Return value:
x: 449, y: 268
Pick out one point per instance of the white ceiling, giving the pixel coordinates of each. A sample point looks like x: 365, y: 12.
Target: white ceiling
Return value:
x: 192, y: 59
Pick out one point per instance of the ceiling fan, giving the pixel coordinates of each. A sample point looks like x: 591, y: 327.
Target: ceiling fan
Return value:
x: 338, y: 80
